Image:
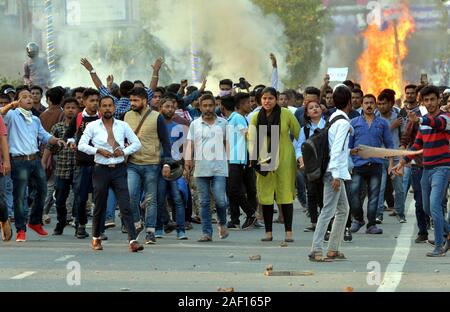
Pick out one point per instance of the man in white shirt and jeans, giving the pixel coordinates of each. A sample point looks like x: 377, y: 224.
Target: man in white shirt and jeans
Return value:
x: 334, y: 195
x: 108, y: 136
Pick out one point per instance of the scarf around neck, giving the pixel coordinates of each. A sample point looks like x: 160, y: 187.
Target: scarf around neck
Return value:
x: 28, y: 115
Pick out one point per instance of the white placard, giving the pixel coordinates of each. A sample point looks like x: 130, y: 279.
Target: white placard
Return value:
x: 338, y: 74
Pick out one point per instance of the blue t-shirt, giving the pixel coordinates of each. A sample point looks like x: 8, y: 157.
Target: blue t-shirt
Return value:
x: 236, y: 133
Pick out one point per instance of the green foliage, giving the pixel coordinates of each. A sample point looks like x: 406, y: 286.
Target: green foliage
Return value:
x: 306, y: 23
x: 18, y: 81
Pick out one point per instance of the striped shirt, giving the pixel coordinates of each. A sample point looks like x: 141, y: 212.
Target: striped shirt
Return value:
x: 433, y: 137
x: 123, y: 105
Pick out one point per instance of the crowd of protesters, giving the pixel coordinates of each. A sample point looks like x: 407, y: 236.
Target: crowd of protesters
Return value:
x: 172, y: 156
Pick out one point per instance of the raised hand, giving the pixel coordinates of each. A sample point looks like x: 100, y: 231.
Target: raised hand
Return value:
x: 158, y: 64
x: 203, y: 86
x: 274, y: 60
x: 110, y: 81
x: 86, y: 64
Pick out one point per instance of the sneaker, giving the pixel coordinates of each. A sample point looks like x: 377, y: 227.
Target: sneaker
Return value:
x: 374, y: 230
x: 6, y: 230
x: 46, y: 219
x: 421, y: 239
x: 170, y: 227
x: 233, y: 226
x: 259, y: 225
x: 348, y: 235
x: 123, y: 229
x: 103, y: 237
x: 81, y: 233
x: 431, y: 242
x: 223, y: 232
x: 437, y: 252
x: 402, y: 219
x: 379, y: 220
x: 393, y: 214
x: 196, y: 220
x: 59, y: 229
x: 310, y: 229
x: 150, y: 238
x: 326, y: 238
x: 213, y: 221
x: 109, y: 224
x: 96, y: 244
x: 188, y: 226
x: 38, y: 229
x: 159, y: 234
x: 249, y: 223
x: 356, y: 226
x: 135, y: 246
x: 181, y: 236
x: 21, y: 236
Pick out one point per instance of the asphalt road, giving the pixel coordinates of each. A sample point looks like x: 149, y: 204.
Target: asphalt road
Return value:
x: 50, y: 264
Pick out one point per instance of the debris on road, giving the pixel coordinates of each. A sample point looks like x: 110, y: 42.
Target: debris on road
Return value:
x: 229, y: 289
x: 348, y: 289
x: 124, y: 289
x: 270, y: 272
x: 255, y: 258
x: 230, y: 256
x: 284, y: 244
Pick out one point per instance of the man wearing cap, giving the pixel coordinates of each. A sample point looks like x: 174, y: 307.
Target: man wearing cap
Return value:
x: 144, y: 166
x: 9, y: 91
x: 35, y: 69
x: 177, y: 137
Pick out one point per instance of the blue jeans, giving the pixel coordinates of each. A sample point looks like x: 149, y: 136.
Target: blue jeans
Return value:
x: 9, y: 195
x: 421, y: 217
x: 3, y: 207
x: 371, y: 175
x: 144, y: 179
x: 399, y: 198
x: 217, y: 186
x: 407, y: 180
x: 434, y: 186
x: 83, y: 186
x: 111, y: 206
x: 165, y: 188
x: 23, y: 172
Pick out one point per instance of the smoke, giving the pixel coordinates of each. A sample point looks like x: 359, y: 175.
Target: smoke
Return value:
x: 235, y: 38
x: 232, y: 41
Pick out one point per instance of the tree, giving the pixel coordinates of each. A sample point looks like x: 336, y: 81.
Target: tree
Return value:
x: 306, y: 22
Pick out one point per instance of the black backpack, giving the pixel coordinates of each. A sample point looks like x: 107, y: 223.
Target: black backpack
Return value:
x: 316, y: 152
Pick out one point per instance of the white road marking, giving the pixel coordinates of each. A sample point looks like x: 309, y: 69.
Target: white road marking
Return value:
x: 394, y: 270
x: 64, y: 258
x: 23, y: 275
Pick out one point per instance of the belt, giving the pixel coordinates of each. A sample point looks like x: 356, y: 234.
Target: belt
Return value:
x: 110, y: 166
x: 26, y: 157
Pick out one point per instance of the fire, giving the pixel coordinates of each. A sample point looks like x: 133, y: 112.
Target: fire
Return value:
x: 380, y: 64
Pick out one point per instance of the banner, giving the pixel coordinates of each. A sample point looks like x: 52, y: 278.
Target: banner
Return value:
x: 338, y: 74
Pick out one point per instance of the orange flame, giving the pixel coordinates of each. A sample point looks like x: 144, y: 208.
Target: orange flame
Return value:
x: 380, y: 64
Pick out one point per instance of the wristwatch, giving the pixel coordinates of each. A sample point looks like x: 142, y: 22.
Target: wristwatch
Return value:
x: 93, y: 71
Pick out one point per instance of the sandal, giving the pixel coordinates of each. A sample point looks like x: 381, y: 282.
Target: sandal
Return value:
x: 318, y: 257
x: 336, y: 255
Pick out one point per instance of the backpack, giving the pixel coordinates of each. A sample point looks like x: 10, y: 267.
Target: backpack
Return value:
x: 316, y: 152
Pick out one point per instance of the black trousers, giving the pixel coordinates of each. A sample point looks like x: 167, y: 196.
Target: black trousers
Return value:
x: 105, y: 177
x: 62, y: 190
x: 314, y: 198
x: 241, y: 189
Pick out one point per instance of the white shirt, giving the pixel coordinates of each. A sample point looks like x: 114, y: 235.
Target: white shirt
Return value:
x: 96, y: 133
x: 209, y: 150
x: 338, y: 140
